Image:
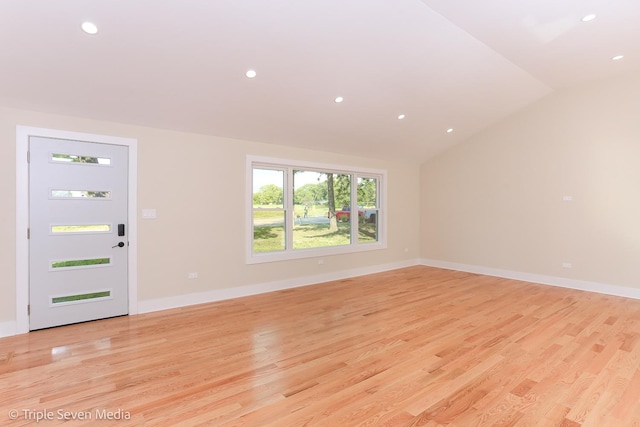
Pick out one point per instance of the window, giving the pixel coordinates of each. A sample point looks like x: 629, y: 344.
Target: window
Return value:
x: 80, y: 229
x: 80, y: 194
x: 84, y: 160
x: 300, y: 210
x: 81, y: 263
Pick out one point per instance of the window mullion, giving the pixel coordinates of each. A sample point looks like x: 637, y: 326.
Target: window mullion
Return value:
x: 288, y: 206
x: 355, y: 212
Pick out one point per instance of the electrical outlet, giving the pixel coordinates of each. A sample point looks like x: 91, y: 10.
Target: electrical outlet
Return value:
x: 566, y: 265
x: 192, y: 275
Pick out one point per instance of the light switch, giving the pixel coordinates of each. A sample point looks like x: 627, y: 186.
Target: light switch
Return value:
x: 149, y: 213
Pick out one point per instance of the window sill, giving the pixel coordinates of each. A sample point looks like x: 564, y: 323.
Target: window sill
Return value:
x: 260, y: 258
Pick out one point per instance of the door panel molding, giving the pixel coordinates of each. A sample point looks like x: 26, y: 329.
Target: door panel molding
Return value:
x: 22, y: 213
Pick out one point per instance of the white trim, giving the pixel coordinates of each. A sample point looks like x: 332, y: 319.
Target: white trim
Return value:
x: 11, y: 328
x: 22, y: 213
x: 582, y: 285
x: 290, y: 254
x: 243, y: 291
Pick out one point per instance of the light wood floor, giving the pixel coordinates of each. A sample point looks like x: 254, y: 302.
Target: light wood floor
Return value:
x: 417, y: 346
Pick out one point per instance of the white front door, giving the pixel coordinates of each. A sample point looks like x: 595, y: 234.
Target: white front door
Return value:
x: 78, y: 231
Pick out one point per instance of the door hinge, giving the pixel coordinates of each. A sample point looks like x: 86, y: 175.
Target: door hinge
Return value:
x: 28, y: 156
x: 28, y: 233
x: 28, y: 309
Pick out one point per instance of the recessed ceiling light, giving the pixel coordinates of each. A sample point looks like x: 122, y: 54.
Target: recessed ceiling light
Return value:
x: 449, y: 130
x: 339, y: 99
x: 618, y: 57
x: 89, y: 28
x: 251, y: 74
x: 401, y: 116
x: 589, y: 17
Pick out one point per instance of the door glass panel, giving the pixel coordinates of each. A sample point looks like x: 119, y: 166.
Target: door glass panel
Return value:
x: 89, y: 228
x: 80, y: 263
x: 80, y: 297
x: 80, y: 194
x: 71, y: 158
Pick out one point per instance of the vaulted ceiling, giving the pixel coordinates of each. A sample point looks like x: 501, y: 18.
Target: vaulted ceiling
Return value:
x: 181, y: 64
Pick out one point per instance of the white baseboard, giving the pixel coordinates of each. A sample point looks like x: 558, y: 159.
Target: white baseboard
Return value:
x: 243, y: 291
x: 8, y: 329
x: 582, y: 285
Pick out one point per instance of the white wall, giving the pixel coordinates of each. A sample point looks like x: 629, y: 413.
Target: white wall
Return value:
x: 196, y: 183
x: 496, y: 201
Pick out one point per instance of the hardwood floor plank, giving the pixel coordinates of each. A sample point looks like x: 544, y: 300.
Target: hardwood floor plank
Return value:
x: 415, y: 346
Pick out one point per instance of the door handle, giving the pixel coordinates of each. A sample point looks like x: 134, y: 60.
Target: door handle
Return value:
x: 119, y: 245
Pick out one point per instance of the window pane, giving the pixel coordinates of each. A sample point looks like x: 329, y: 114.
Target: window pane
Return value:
x: 80, y: 263
x: 309, y: 193
x: 81, y: 297
x: 268, y: 188
x: 341, y: 193
x: 71, y: 158
x: 327, y: 206
x: 368, y: 207
x: 310, y: 197
x: 80, y: 194
x: 367, y: 193
x: 268, y: 231
x: 90, y: 228
x: 368, y: 226
x: 315, y: 235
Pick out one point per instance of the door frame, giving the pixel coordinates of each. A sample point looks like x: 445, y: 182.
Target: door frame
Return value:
x: 22, y: 213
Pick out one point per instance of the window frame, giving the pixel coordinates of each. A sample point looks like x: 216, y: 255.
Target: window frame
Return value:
x: 289, y: 253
